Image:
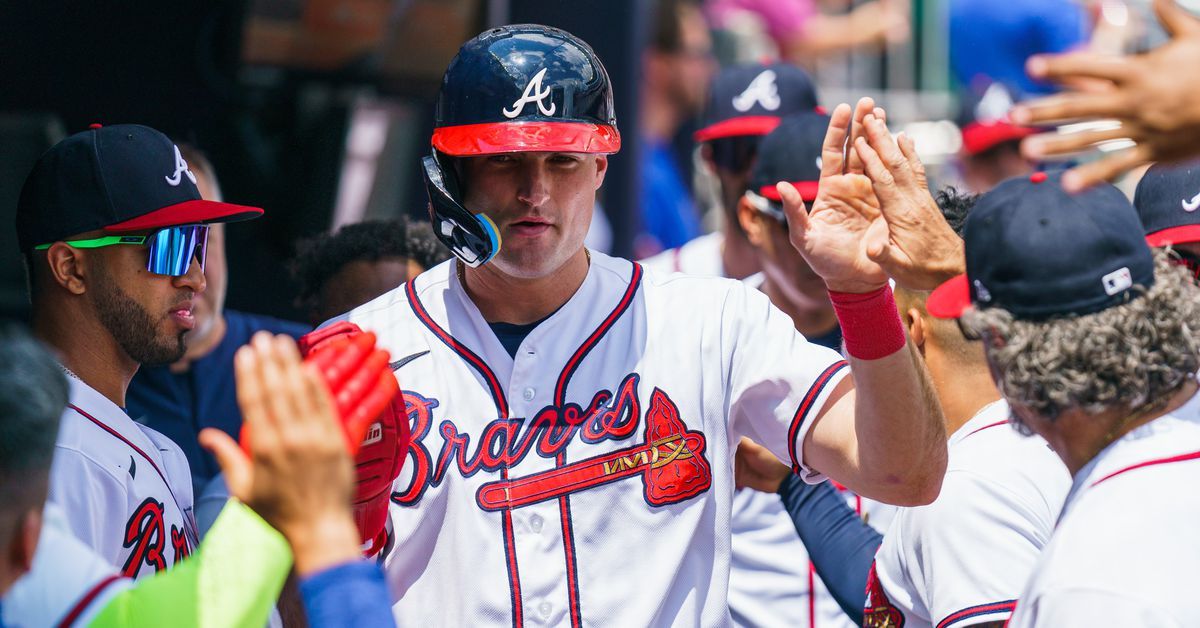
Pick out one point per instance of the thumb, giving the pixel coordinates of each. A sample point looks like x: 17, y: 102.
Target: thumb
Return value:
x: 1175, y: 20
x: 793, y: 206
x: 234, y: 463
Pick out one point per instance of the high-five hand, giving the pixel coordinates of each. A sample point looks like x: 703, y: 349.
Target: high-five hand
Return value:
x: 832, y: 235
x: 911, y: 240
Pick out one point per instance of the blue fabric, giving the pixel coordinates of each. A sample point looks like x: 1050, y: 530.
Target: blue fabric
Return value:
x: 993, y: 38
x: 511, y: 335
x: 181, y: 404
x: 840, y: 544
x: 353, y: 594
x: 669, y: 216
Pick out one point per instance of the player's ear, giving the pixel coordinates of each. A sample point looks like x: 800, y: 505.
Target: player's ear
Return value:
x: 916, y: 328
x: 751, y: 221
x: 25, y: 540
x: 68, y: 267
x: 601, y: 169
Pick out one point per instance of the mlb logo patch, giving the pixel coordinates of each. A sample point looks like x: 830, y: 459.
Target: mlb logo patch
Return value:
x: 1117, y: 281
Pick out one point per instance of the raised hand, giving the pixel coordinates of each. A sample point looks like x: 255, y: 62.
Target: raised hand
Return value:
x: 911, y: 240
x: 1150, y: 96
x: 832, y: 235
x: 298, y: 474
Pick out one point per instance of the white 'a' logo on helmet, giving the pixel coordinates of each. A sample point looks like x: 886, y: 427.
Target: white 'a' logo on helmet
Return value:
x: 181, y: 168
x: 761, y: 90
x: 534, y: 93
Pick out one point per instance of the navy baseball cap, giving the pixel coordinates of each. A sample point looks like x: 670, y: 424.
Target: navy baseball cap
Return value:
x: 1038, y: 251
x: 984, y: 120
x: 123, y: 178
x: 792, y: 153
x: 750, y: 100
x: 1167, y: 200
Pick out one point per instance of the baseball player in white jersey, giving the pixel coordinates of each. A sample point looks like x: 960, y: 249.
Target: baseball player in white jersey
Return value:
x: 574, y: 417
x: 113, y: 231
x: 1091, y: 338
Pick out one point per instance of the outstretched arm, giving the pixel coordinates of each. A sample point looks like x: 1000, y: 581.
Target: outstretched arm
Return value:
x: 881, y: 433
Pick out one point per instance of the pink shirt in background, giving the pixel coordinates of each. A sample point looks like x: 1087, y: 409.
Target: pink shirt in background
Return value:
x: 782, y: 18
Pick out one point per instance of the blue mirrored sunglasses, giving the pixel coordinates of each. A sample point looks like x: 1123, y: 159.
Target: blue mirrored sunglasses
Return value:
x: 171, y: 250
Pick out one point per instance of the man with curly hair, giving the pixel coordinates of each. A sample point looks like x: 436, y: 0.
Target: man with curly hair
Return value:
x: 1091, y: 338
x: 342, y: 270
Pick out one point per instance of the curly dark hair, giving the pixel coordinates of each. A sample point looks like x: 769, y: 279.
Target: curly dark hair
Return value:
x: 955, y: 207
x: 321, y: 257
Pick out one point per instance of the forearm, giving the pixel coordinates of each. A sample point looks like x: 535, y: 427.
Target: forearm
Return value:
x: 233, y: 579
x: 900, y: 432
x: 350, y: 594
x: 839, y: 543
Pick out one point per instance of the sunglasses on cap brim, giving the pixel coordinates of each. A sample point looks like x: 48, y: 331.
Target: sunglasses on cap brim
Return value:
x: 171, y: 250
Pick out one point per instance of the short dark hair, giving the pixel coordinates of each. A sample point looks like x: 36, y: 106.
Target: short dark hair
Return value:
x: 321, y: 257
x: 667, y: 33
x: 33, y: 394
x: 955, y: 207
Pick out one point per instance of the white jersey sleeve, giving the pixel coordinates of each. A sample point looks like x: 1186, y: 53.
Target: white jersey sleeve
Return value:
x: 1088, y: 608
x: 67, y: 584
x: 778, y: 380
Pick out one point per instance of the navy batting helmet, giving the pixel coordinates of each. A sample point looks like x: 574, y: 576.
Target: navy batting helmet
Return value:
x: 520, y: 88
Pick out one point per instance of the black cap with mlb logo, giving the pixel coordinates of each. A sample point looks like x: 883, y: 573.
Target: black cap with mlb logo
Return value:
x: 1038, y: 252
x: 1167, y: 201
x: 750, y: 100
x: 792, y: 153
x: 123, y: 178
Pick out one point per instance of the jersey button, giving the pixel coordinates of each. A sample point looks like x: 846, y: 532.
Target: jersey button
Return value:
x: 544, y: 609
x: 535, y: 523
x: 528, y: 394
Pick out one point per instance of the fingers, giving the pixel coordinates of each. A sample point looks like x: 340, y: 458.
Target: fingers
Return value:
x: 359, y: 383
x: 234, y: 463
x: 1081, y: 177
x: 252, y: 395
x: 862, y: 110
x: 1070, y: 106
x: 340, y: 358
x: 1174, y: 19
x: 794, y: 209
x: 832, y: 150
x: 1079, y: 64
x: 1048, y: 144
x: 889, y: 152
x: 909, y: 148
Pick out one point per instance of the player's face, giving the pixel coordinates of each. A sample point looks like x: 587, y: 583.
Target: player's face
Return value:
x: 541, y: 203
x: 147, y: 314
x: 780, y: 261
x: 359, y: 282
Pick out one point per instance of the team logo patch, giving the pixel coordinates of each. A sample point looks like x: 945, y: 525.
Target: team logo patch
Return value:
x: 534, y: 93
x: 1118, y: 280
x: 761, y: 90
x: 1191, y: 205
x: 669, y: 461
x: 879, y: 611
x: 181, y: 169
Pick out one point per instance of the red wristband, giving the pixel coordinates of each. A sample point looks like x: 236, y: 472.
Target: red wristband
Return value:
x: 870, y: 323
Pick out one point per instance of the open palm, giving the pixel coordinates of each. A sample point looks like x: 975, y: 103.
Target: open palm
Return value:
x: 832, y: 236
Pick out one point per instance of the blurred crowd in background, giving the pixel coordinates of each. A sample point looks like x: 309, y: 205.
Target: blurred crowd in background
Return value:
x: 319, y: 110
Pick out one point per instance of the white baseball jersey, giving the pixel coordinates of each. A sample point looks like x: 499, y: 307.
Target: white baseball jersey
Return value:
x: 963, y: 559
x: 590, y: 479
x: 68, y: 584
x: 699, y: 256
x: 125, y: 488
x: 1125, y: 550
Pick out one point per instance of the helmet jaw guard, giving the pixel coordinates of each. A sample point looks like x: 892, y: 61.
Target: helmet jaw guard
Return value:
x: 473, y: 238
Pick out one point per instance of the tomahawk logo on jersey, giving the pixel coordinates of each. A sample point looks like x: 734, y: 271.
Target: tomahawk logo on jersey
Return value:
x: 125, y: 489
x: 589, y: 479
x: 963, y: 559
